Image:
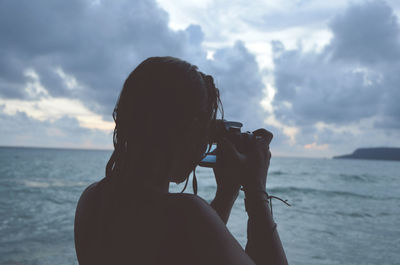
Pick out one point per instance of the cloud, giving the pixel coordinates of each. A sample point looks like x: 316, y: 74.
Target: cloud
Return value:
x: 314, y: 145
x: 351, y: 84
x: 312, y: 88
x: 72, y: 59
x: 42, y: 106
x: 239, y: 79
x: 367, y: 34
x: 21, y: 130
x: 340, y: 84
x: 95, y: 43
x: 66, y: 62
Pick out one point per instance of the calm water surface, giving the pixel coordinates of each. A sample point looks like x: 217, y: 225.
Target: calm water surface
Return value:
x: 343, y: 211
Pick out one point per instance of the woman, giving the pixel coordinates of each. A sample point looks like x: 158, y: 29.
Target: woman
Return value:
x: 163, y: 118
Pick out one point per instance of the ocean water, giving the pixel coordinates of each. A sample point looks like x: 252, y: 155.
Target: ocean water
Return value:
x: 343, y: 211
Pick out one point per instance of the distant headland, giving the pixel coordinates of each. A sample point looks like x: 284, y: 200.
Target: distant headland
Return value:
x: 377, y: 153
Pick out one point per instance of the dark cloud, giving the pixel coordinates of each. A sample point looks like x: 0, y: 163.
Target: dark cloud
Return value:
x: 366, y: 33
x: 98, y: 44
x: 355, y: 77
x: 239, y: 79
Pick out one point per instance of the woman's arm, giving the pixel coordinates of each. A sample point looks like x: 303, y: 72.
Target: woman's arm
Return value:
x: 227, y: 178
x: 263, y: 242
x: 211, y: 241
x: 251, y: 168
x: 223, y: 203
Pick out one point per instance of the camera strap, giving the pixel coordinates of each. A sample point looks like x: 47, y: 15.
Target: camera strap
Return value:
x: 194, y: 182
x: 184, y: 188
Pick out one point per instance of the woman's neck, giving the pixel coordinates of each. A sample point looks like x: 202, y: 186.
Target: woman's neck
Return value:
x: 148, y: 174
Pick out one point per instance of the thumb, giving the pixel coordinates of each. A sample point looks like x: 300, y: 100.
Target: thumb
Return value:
x: 266, y: 135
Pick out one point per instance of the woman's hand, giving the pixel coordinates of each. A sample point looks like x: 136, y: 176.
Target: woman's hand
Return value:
x: 256, y: 166
x: 234, y: 169
x: 227, y: 178
x: 226, y: 171
x: 248, y: 169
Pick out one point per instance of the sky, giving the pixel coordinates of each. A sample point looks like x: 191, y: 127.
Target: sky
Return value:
x: 323, y: 76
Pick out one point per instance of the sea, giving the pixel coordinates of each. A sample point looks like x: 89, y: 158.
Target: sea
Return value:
x: 342, y: 211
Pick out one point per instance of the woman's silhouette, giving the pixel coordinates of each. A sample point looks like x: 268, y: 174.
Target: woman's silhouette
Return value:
x: 163, y: 118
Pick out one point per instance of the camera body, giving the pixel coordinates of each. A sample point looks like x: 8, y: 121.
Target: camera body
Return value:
x: 230, y: 130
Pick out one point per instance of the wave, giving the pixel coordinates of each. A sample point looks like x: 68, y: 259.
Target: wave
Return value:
x: 277, y: 173
x: 43, y: 184
x: 320, y: 192
x: 36, y: 184
x: 361, y: 178
x: 354, y: 214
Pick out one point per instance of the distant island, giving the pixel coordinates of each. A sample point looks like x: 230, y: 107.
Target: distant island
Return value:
x: 377, y: 153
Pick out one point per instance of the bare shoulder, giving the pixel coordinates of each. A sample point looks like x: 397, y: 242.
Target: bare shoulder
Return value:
x: 206, y: 232
x: 193, y: 208
x: 86, y: 200
x: 189, y: 201
x: 84, y: 230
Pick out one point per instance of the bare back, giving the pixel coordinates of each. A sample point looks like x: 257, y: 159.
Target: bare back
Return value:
x: 166, y: 229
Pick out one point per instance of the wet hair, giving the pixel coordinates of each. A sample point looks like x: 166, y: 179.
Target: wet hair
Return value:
x: 160, y: 100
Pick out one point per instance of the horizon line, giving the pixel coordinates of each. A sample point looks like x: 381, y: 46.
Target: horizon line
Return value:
x: 57, y: 148
x: 104, y: 149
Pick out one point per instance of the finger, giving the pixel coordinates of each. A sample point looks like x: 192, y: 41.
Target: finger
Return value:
x: 266, y: 135
x: 263, y: 146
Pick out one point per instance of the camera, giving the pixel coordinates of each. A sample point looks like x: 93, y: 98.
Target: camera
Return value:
x: 230, y: 130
